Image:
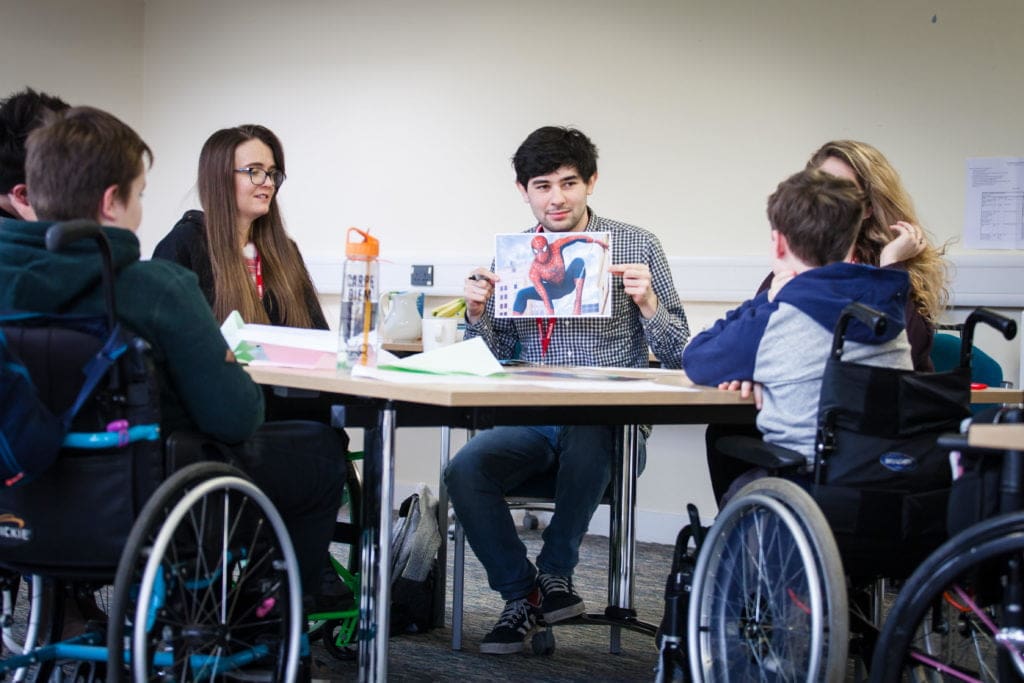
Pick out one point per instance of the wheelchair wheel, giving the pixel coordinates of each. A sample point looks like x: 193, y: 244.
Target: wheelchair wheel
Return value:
x: 137, y: 548
x: 208, y: 583
x: 350, y: 517
x: 958, y: 617
x: 41, y: 624
x: 769, y: 595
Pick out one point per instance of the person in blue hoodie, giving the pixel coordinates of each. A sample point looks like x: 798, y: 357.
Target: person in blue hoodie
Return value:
x: 778, y: 342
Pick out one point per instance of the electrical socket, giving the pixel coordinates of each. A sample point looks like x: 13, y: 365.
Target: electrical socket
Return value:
x: 422, y: 276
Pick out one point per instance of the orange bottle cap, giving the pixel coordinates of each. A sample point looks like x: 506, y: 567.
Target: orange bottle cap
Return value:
x: 365, y: 250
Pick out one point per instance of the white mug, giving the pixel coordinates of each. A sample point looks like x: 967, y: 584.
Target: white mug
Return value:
x: 439, y: 332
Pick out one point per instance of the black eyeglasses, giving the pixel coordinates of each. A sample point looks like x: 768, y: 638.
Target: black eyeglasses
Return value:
x: 258, y: 176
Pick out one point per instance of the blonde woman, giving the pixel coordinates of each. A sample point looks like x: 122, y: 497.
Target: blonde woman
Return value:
x: 891, y: 236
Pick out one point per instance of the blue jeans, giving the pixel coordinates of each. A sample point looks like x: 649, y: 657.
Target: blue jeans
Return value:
x: 497, y: 460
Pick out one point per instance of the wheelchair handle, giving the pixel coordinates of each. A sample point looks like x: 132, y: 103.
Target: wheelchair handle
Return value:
x: 61, y: 235
x: 1005, y: 326
x: 875, y: 320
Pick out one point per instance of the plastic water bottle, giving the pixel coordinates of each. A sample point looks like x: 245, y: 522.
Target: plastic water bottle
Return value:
x: 357, y: 334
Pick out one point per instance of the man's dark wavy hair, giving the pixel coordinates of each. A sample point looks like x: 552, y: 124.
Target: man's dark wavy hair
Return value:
x: 549, y: 148
x: 20, y: 114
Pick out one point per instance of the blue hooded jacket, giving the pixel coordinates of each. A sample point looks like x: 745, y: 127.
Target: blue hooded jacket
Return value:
x: 784, y: 344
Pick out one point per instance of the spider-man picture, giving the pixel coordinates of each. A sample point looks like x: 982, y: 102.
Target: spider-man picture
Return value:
x: 551, y: 278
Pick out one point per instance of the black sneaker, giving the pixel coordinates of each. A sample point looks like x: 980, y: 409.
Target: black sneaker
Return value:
x: 516, y: 621
x: 333, y: 595
x: 558, y: 599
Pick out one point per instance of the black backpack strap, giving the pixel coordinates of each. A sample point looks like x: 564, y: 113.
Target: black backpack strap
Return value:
x: 95, y: 370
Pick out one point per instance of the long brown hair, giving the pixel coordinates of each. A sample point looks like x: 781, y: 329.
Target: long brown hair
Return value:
x: 284, y: 274
x: 889, y: 203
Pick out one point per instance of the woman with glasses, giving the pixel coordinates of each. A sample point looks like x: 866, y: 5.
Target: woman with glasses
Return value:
x: 237, y: 244
x: 245, y: 261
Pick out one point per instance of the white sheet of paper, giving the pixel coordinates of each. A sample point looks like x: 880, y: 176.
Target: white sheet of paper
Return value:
x: 994, y: 217
x: 471, y: 357
x: 296, y: 337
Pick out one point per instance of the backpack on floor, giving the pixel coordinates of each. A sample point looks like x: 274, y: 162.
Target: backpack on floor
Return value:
x: 415, y: 539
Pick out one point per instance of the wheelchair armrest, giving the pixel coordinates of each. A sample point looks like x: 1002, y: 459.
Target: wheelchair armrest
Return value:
x: 757, y: 452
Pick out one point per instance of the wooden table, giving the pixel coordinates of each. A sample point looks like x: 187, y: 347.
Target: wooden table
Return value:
x: 1004, y: 436
x: 380, y: 407
x: 997, y: 395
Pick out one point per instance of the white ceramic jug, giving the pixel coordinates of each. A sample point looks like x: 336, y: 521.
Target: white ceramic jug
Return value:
x: 400, y: 316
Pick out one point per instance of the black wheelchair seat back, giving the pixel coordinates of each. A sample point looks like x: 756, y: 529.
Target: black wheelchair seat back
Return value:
x: 877, y: 426
x: 73, y: 519
x: 880, y: 477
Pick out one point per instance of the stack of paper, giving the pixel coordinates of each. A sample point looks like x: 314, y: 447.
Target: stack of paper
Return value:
x: 273, y: 345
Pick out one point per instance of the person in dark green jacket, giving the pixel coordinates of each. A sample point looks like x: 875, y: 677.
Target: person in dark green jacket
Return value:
x: 88, y: 164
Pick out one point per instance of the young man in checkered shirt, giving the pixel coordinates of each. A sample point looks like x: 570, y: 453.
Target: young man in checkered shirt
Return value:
x: 556, y: 170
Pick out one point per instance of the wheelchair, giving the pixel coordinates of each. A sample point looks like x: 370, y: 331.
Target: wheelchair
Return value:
x: 787, y: 584
x: 189, y: 563
x: 960, y: 615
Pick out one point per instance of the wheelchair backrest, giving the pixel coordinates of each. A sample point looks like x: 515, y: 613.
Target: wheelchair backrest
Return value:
x: 73, y: 519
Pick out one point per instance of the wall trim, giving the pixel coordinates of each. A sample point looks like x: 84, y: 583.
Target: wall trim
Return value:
x: 978, y: 279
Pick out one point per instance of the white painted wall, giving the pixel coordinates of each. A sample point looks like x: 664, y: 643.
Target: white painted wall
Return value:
x: 401, y: 116
x: 84, y: 52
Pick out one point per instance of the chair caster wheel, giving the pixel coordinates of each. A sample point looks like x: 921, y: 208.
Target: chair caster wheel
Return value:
x: 543, y: 642
x: 530, y: 521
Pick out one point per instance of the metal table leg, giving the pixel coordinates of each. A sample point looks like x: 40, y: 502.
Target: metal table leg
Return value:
x: 375, y: 591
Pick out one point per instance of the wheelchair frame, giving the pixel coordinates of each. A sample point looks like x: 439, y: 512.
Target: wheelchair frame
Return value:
x: 207, y: 581
x: 748, y: 618
x: 960, y: 615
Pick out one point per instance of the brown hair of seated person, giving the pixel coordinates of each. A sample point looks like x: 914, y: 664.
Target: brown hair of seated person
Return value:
x: 284, y: 274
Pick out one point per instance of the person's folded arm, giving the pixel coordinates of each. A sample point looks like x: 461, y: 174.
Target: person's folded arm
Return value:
x: 727, y: 351
x: 218, y: 395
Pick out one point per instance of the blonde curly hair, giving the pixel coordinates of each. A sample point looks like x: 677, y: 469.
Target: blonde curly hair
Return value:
x: 889, y: 203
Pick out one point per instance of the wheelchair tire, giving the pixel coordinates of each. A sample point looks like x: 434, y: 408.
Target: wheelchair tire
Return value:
x: 208, y: 576
x: 136, y: 547
x: 950, y: 610
x: 42, y: 625
x: 351, y: 529
x: 769, y: 594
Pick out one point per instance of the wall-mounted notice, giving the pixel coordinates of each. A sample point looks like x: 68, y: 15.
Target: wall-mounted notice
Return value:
x: 995, y: 203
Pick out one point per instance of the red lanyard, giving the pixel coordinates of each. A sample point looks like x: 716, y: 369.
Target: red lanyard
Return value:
x: 545, y: 334
x: 544, y: 331
x: 255, y: 266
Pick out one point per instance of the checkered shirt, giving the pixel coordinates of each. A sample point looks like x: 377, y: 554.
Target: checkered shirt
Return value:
x: 619, y: 341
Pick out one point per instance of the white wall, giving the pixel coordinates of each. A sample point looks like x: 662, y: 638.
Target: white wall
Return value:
x: 401, y: 116
x: 84, y: 52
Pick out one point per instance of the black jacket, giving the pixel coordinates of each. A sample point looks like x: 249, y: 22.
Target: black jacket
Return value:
x: 186, y: 245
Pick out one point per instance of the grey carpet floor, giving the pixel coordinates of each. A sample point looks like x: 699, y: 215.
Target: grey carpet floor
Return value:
x: 581, y: 651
